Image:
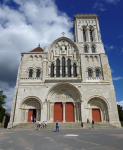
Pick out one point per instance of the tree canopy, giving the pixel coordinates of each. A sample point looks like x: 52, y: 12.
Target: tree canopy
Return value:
x: 2, y: 109
x: 120, y: 112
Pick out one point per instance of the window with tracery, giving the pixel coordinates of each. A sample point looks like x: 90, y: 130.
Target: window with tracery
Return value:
x: 89, y: 73
x: 63, y: 66
x: 30, y: 73
x: 84, y: 36
x: 93, y: 49
x: 52, y: 70
x: 97, y: 73
x: 38, y: 73
x: 74, y: 70
x: 91, y: 37
x: 69, y: 67
x: 86, y: 49
x: 57, y: 68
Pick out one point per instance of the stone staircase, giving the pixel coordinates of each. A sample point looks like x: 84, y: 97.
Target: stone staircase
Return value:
x: 70, y: 125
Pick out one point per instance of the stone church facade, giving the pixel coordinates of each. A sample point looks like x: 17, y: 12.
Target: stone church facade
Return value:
x: 69, y: 81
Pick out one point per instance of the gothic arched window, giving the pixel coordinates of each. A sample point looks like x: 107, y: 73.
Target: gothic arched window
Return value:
x: 65, y: 48
x: 52, y: 70
x: 84, y: 36
x: 63, y: 66
x: 86, y: 49
x: 38, y: 73
x: 69, y: 67
x: 57, y: 68
x: 97, y: 73
x: 93, y: 49
x: 30, y: 73
x: 74, y: 70
x: 89, y: 73
x: 61, y: 48
x: 91, y: 37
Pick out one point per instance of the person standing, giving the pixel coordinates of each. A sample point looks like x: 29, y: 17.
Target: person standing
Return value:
x: 31, y: 119
x: 38, y: 124
x: 57, y: 126
x: 45, y: 124
x: 92, y: 124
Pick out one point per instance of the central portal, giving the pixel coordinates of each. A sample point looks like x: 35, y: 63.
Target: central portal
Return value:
x: 58, y: 112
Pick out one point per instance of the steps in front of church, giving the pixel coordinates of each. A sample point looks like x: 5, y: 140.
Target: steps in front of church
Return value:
x: 68, y: 125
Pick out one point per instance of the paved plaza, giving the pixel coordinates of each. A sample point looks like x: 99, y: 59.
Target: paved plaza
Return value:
x: 72, y: 139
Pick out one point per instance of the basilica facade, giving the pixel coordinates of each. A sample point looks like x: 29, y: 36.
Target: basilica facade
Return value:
x: 69, y: 81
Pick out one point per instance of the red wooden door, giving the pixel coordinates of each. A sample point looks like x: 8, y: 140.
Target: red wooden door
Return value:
x: 30, y: 113
x: 58, y: 112
x: 96, y: 115
x: 69, y: 112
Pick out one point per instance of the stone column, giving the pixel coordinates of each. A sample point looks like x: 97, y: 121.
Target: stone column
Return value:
x: 78, y: 112
x: 87, y: 35
x: 63, y: 103
x: 101, y: 111
x: 48, y: 110
x: 51, y: 112
x: 74, y: 112
x: 95, y: 35
x: 83, y: 112
x: 26, y: 115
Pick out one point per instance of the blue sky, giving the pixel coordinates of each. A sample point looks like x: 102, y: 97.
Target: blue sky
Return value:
x: 25, y: 24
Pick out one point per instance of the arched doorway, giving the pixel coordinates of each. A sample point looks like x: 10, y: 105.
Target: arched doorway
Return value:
x: 29, y: 107
x: 64, y: 103
x: 98, y: 110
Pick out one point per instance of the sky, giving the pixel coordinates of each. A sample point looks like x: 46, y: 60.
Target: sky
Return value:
x: 26, y: 23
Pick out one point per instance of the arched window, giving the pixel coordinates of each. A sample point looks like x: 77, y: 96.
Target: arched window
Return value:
x: 65, y: 48
x: 63, y: 66
x: 74, y: 70
x: 84, y: 36
x: 97, y: 73
x: 30, y: 73
x: 89, y: 73
x: 86, y: 49
x: 93, y: 49
x: 52, y: 70
x: 38, y: 73
x: 69, y: 67
x: 61, y: 48
x: 91, y: 37
x: 57, y: 68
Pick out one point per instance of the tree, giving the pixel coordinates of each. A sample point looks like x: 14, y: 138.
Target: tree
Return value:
x: 120, y: 112
x: 2, y: 109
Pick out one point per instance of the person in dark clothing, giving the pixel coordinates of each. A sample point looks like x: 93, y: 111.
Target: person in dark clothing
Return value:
x: 92, y: 124
x: 57, y: 126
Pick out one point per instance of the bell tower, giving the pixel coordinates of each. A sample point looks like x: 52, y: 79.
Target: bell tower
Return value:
x: 86, y: 28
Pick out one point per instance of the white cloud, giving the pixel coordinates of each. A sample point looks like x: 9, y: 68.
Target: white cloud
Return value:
x: 112, y: 1
x: 22, y: 29
x: 120, y: 103
x: 120, y: 36
x: 109, y: 48
x: 100, y: 6
x: 118, y: 78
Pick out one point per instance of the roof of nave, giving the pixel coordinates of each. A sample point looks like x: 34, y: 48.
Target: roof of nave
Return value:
x: 38, y: 49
